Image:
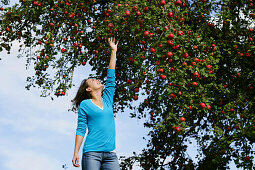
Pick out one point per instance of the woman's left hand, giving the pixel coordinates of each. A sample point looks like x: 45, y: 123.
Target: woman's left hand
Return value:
x: 112, y: 43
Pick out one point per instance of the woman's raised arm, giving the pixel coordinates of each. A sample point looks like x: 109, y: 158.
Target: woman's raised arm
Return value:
x: 113, y: 46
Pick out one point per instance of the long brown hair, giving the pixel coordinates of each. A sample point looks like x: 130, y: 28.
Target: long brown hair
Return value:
x: 81, y: 94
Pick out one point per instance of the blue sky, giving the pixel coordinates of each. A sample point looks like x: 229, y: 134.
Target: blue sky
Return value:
x: 38, y: 133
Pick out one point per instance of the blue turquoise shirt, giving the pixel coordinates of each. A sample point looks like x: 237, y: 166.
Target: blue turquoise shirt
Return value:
x: 100, y: 121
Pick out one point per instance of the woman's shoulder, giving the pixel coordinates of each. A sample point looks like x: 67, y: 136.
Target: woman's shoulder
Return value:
x: 84, y: 102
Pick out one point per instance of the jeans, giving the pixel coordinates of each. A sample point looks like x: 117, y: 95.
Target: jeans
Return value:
x: 100, y: 160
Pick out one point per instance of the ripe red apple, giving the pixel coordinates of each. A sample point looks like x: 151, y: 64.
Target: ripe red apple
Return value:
x: 129, y: 81
x: 160, y: 70
x: 170, y: 42
x: 179, y: 33
x: 146, y: 33
x: 171, y: 36
x: 202, y: 105
x: 71, y: 15
x: 184, y: 63
x: 165, y: 28
x: 162, y: 2
x: 209, y: 107
x: 152, y: 50
x: 185, y: 55
x: 127, y: 13
x: 138, y: 13
x: 169, y: 54
x: 46, y: 57
x: 170, y: 14
x: 162, y: 76
x: 177, y: 129
x: 83, y: 63
x: 110, y: 25
x: 182, y: 119
x: 247, y: 158
x: 196, y: 74
x: 135, y: 97
x: 194, y: 84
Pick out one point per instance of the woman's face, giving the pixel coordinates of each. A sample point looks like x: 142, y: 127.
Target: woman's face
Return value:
x: 95, y: 84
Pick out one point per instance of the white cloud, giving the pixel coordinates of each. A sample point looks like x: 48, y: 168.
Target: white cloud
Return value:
x: 18, y: 158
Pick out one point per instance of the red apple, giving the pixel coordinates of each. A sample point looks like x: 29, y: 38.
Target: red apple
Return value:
x: 177, y: 129
x: 170, y: 42
x: 152, y: 50
x: 202, y: 105
x: 162, y: 2
x: 169, y: 54
x: 179, y: 33
x: 185, y: 55
x: 135, y: 97
x: 138, y: 13
x: 160, y: 70
x: 182, y: 119
x: 71, y: 15
x: 171, y: 36
x: 162, y: 76
x: 196, y: 74
x: 110, y: 25
x: 146, y: 33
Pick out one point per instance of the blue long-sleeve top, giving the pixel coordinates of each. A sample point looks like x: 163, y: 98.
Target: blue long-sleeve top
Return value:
x: 100, y: 121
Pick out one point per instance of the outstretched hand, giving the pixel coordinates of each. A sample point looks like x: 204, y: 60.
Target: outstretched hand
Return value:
x: 112, y: 43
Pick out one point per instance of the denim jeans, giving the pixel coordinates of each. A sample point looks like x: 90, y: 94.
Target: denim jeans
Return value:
x: 100, y: 160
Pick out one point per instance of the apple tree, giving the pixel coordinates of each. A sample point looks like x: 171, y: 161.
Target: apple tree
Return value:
x: 191, y: 60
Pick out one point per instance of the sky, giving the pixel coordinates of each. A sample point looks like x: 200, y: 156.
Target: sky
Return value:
x: 38, y: 133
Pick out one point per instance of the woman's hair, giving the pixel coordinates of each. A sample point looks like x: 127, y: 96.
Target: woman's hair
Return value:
x: 81, y: 94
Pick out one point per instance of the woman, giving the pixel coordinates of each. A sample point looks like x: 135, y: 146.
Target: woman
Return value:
x: 96, y: 113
